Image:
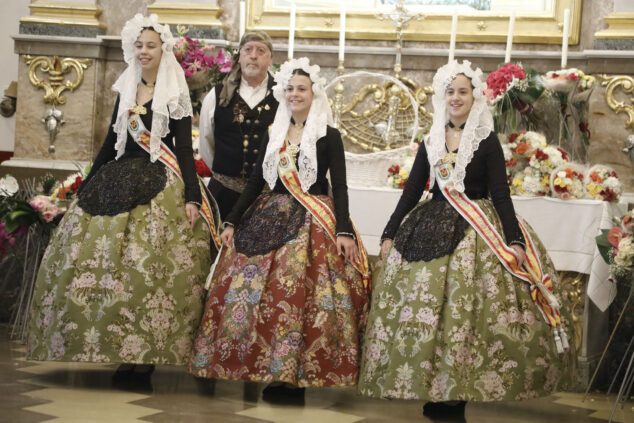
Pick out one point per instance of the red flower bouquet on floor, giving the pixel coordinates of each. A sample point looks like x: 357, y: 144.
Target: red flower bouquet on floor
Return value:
x: 513, y: 88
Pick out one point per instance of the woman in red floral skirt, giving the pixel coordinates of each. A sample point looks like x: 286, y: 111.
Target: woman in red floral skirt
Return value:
x: 288, y: 299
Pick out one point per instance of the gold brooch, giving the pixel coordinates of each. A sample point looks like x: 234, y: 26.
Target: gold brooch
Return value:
x: 292, y: 148
x: 139, y: 110
x: 449, y: 158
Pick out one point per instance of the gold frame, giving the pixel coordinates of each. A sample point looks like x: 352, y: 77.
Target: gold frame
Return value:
x: 542, y: 29
x: 64, y: 14
x: 620, y: 25
x: 194, y: 14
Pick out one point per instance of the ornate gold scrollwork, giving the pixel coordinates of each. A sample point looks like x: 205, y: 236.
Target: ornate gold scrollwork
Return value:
x: 574, y: 286
x: 56, y: 70
x: 625, y: 83
x: 377, y: 108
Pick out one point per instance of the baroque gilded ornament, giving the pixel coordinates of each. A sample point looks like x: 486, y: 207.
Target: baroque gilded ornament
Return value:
x: 56, y: 70
x: 55, y: 86
x: 626, y: 84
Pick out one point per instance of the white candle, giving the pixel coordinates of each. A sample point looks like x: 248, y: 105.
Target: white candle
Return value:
x: 509, y: 38
x: 454, y: 29
x: 342, y: 31
x: 291, y: 31
x: 243, y: 18
x: 564, y: 40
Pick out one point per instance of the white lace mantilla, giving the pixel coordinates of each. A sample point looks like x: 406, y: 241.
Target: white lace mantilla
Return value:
x: 171, y: 93
x: 319, y: 117
x: 478, y: 126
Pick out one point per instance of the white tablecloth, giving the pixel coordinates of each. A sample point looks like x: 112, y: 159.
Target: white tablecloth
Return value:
x: 567, y: 229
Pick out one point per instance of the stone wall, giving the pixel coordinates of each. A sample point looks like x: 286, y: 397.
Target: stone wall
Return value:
x: 88, y: 110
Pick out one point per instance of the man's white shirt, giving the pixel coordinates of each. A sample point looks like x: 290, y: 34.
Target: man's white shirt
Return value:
x: 251, y: 95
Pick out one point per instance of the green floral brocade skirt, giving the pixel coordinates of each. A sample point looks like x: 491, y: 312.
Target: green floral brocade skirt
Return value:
x: 461, y: 327
x: 126, y: 288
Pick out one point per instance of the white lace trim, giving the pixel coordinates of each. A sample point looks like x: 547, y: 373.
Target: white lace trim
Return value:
x: 478, y: 126
x: 171, y: 93
x: 319, y: 117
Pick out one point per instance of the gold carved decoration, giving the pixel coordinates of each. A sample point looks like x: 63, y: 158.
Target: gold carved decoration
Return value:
x: 541, y: 27
x: 56, y: 70
x: 574, y: 287
x: 376, y: 108
x: 194, y: 14
x: 625, y: 83
x: 64, y: 14
x: 620, y: 26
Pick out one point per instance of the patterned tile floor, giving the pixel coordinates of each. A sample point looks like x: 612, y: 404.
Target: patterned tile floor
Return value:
x: 73, y: 392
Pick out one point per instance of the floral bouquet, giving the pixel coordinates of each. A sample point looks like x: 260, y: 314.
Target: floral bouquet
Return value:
x: 68, y: 188
x: 530, y: 160
x: 16, y: 211
x: 518, y: 149
x: 566, y: 182
x: 616, y: 246
x: 513, y: 88
x: 397, y: 176
x: 572, y: 88
x: 530, y: 182
x: 602, y: 183
x: 565, y: 80
x: 547, y: 159
x: 204, y: 65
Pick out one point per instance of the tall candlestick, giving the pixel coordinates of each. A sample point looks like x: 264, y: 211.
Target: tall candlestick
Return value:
x: 454, y: 29
x: 564, y: 40
x: 509, y: 38
x: 291, y: 31
x: 243, y: 18
x: 342, y: 31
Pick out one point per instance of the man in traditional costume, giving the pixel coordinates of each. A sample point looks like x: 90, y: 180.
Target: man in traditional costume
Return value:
x: 234, y: 118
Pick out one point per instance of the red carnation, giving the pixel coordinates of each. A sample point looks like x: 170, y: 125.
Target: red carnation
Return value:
x: 202, y: 169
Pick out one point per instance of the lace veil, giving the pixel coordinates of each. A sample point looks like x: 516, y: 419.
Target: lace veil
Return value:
x: 171, y: 94
x: 319, y: 117
x: 478, y: 126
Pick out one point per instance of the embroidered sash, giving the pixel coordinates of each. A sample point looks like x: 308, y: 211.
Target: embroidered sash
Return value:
x: 320, y: 211
x: 541, y: 285
x: 141, y: 135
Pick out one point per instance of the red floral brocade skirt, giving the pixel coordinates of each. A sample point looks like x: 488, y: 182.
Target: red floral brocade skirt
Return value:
x: 295, y: 313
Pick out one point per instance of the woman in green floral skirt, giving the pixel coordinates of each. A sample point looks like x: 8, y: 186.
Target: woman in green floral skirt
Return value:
x: 122, y: 279
x: 452, y: 314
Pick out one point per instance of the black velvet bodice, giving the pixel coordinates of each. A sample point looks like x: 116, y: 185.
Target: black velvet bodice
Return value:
x: 485, y: 177
x: 178, y: 139
x: 330, y: 157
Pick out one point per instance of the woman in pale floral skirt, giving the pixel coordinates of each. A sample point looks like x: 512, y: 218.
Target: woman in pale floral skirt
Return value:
x: 452, y: 317
x: 122, y: 279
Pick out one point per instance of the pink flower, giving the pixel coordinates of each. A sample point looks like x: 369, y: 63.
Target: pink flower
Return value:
x: 48, y: 215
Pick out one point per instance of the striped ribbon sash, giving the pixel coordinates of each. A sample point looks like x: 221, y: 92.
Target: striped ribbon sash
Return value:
x: 141, y: 135
x: 541, y: 285
x: 320, y: 211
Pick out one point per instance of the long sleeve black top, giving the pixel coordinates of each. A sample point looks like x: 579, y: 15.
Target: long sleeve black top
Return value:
x: 178, y: 139
x: 485, y: 176
x: 330, y: 156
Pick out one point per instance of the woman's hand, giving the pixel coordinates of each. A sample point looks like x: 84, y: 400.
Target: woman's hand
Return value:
x: 347, y: 247
x: 385, y: 247
x: 227, y: 236
x: 520, y: 253
x: 191, y: 210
